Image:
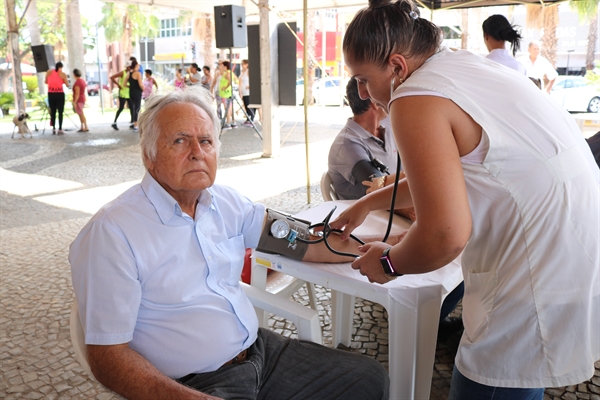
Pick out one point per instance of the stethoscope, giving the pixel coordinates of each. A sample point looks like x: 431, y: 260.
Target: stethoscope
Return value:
x: 323, y: 234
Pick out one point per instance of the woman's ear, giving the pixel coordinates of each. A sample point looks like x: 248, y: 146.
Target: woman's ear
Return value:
x: 398, y: 64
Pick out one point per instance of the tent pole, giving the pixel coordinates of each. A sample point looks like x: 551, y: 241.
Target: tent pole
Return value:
x: 305, y: 73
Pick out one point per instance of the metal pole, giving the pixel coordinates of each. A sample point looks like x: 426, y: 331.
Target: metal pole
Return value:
x: 99, y: 70
x: 305, y: 73
x: 568, y: 59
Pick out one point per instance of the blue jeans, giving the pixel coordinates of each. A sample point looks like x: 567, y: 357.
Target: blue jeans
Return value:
x: 463, y: 388
x: 281, y: 368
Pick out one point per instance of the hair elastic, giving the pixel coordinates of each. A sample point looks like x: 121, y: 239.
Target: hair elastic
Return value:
x: 413, y: 15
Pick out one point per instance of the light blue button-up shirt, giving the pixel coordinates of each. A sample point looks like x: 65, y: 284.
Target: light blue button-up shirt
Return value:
x: 147, y: 274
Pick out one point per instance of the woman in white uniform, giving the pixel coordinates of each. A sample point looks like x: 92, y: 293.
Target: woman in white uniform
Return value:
x: 500, y: 173
x: 496, y: 32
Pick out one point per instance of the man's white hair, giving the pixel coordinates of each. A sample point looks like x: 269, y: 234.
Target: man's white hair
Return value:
x: 148, y: 120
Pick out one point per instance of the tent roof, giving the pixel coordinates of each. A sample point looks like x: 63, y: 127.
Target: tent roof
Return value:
x: 207, y: 6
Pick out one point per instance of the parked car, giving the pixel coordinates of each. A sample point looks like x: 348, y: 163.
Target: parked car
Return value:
x: 330, y: 91
x: 574, y: 94
x: 94, y: 87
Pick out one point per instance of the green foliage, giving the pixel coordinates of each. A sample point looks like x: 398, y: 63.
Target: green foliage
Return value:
x: 119, y: 18
x: 7, y: 99
x: 586, y: 9
x: 31, y: 82
x: 593, y: 77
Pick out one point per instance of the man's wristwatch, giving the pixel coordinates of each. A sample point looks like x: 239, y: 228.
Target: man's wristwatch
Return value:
x: 386, y: 263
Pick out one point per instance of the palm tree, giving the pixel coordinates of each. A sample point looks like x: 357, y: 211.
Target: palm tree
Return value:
x: 127, y: 24
x: 74, y: 33
x: 588, y: 12
x: 546, y: 18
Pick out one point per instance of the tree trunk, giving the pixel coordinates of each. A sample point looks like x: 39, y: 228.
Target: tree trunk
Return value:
x: 34, y: 32
x: 549, y: 39
x: 591, y: 47
x: 4, y: 75
x: 209, y: 55
x: 464, y: 37
x: 13, y: 42
x: 74, y: 34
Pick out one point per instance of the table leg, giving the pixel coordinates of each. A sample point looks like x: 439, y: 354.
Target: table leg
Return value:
x: 412, y: 341
x: 342, y: 316
x: 258, y: 279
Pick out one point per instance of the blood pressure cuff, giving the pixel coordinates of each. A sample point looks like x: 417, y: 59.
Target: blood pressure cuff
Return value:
x: 294, y: 249
x: 365, y: 170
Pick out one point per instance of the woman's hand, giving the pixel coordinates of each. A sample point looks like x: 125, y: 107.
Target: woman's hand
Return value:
x: 369, y: 264
x: 350, y: 218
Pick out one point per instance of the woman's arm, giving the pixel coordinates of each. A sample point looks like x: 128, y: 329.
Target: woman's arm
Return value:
x: 64, y: 78
x: 75, y: 93
x: 154, y: 82
x: 47, y: 75
x: 139, y: 79
x: 428, y: 134
x: 114, y: 78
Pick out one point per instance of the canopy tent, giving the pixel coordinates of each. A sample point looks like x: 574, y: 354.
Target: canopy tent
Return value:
x: 298, y: 5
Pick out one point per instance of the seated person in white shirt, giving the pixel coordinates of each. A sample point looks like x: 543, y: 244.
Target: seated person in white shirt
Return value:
x: 156, y: 278
x: 355, y: 156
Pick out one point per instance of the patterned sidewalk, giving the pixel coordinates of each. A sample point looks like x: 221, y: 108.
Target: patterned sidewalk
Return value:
x: 49, y: 188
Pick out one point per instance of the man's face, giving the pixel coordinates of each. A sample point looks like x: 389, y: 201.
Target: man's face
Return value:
x: 534, y: 50
x: 186, y: 152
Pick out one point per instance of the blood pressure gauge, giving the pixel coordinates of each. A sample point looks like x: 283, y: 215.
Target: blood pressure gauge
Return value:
x: 280, y: 229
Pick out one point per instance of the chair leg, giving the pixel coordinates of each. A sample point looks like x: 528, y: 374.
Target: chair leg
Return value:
x: 312, y: 297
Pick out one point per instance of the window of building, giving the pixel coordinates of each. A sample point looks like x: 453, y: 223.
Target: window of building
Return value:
x: 172, y: 28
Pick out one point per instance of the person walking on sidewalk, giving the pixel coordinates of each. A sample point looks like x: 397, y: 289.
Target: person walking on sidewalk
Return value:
x: 226, y: 93
x: 244, y: 89
x: 123, y: 86
x: 79, y: 99
x: 148, y: 83
x: 55, y: 79
x: 136, y: 85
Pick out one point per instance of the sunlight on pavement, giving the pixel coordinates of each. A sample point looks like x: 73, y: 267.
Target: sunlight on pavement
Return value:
x: 30, y: 185
x: 87, y: 200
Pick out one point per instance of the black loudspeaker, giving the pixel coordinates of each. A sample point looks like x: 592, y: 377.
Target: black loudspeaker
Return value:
x: 286, y: 64
x: 43, y: 56
x: 286, y: 51
x: 230, y: 27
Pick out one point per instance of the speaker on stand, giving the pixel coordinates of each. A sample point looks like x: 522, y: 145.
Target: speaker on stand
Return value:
x: 231, y: 32
x: 43, y: 57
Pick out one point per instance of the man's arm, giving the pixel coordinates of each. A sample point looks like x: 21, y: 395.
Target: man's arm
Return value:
x: 126, y: 372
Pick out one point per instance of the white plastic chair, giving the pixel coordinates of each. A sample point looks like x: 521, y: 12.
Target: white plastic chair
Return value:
x: 305, y: 319
x: 327, y: 190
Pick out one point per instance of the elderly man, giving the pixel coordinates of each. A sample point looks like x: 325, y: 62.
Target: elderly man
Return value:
x: 156, y: 278
x: 538, y: 67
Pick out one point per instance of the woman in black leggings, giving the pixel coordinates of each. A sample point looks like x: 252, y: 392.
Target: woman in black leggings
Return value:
x: 55, y: 79
x: 136, y: 85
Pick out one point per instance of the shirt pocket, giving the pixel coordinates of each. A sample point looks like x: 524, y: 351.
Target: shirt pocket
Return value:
x: 480, y: 292
x: 230, y: 258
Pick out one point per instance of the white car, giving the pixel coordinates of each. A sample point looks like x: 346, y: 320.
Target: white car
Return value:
x: 330, y: 91
x: 574, y: 94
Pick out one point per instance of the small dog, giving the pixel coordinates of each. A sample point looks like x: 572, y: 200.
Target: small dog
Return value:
x: 20, y: 122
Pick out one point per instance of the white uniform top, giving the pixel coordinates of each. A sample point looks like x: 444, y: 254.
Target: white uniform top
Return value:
x: 532, y: 264
x: 502, y: 56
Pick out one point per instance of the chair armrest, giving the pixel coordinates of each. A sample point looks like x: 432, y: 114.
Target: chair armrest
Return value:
x: 306, y: 319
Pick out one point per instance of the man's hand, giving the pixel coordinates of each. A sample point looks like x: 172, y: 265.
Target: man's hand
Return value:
x: 376, y: 183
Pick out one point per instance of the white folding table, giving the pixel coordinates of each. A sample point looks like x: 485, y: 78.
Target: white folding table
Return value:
x: 412, y: 301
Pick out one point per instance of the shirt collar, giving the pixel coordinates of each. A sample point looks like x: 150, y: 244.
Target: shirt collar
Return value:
x: 166, y: 206
x: 362, y: 132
